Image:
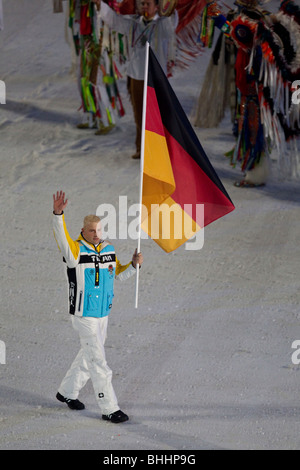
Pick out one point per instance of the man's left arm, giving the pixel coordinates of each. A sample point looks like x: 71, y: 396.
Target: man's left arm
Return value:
x: 124, y: 271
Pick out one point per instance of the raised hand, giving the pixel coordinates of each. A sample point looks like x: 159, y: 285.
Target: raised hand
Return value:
x: 59, y: 202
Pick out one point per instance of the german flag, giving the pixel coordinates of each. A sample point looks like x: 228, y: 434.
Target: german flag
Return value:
x: 178, y: 179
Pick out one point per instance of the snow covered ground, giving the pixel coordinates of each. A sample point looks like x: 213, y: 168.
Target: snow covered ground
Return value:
x: 205, y: 361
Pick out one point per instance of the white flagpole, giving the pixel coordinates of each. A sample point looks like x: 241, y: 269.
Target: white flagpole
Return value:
x: 142, y: 167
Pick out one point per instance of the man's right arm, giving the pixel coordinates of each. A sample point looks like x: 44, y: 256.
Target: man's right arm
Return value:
x: 68, y: 247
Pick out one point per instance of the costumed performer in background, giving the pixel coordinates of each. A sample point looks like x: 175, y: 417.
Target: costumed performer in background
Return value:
x: 250, y: 150
x: 263, y: 88
x: 100, y: 99
x: 147, y: 26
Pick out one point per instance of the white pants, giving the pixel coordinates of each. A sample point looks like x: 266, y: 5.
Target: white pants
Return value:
x: 90, y: 362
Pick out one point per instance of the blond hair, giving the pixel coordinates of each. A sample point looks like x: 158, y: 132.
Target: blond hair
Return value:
x: 89, y: 219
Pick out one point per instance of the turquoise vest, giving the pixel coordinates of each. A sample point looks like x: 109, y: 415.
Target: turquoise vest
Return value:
x: 91, y: 282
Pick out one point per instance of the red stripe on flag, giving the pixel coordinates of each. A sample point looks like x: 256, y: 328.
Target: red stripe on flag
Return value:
x: 193, y: 186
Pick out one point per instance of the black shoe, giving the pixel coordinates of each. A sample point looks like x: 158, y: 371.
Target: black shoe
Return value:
x: 116, y: 417
x: 72, y: 404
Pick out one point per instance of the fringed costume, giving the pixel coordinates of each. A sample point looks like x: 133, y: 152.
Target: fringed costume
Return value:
x: 98, y: 74
x: 267, y: 63
x: 218, y: 91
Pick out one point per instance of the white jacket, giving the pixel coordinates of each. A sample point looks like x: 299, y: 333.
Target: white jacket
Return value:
x: 91, y: 271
